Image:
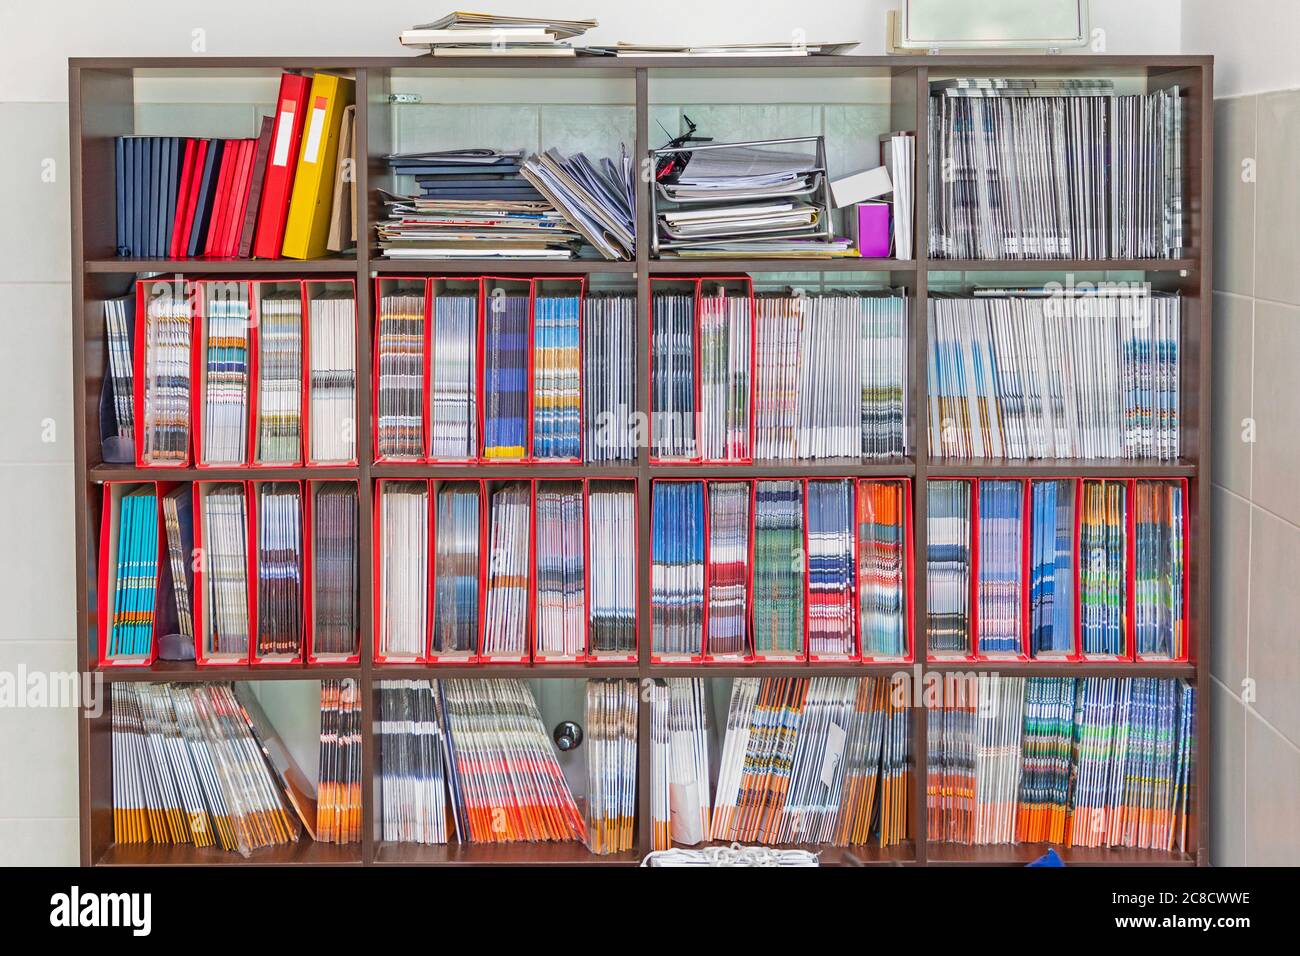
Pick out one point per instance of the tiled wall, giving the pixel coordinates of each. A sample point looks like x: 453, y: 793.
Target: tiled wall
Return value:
x: 1256, y: 488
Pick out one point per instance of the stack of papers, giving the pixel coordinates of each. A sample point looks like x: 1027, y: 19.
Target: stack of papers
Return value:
x: 481, y: 203
x: 766, y: 198
x: 486, y: 34
x: 771, y: 48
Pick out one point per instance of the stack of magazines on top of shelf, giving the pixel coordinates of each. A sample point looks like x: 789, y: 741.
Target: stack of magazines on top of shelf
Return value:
x: 484, y: 203
x: 767, y: 198
x: 487, y: 34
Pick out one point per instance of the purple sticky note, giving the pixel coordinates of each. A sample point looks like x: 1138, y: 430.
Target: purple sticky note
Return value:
x: 873, y: 230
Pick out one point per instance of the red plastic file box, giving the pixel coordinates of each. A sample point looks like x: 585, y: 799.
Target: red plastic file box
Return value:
x: 696, y: 286
x: 377, y: 580
x: 544, y: 285
x: 254, y: 577
x: 309, y: 586
x: 312, y: 288
x: 458, y: 657
x: 1073, y: 655
x: 855, y: 654
x: 201, y: 655
x: 1185, y: 654
x: 1127, y: 655
x: 909, y: 567
x: 972, y: 598
x: 800, y: 656
x: 595, y: 656
x: 107, y: 573
x: 464, y: 285
x: 382, y: 284
x: 258, y: 288
x: 145, y: 290
x: 485, y: 572
x: 694, y: 658
x: 534, y: 580
x: 206, y: 289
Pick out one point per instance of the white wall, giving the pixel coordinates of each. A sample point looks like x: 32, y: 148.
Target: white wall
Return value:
x: 38, y: 785
x: 1256, y: 43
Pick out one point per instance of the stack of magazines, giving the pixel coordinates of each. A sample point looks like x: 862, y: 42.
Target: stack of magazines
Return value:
x: 767, y: 198
x: 482, y: 203
x: 487, y: 34
x: 1049, y: 169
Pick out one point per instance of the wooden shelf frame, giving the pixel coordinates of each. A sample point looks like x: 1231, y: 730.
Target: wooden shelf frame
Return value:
x: 101, y: 106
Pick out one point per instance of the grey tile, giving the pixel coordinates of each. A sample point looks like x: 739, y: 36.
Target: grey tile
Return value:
x: 1234, y: 199
x: 1275, y: 461
x: 1232, y: 358
x: 1230, y: 572
x: 738, y: 123
x: 1277, y: 204
x: 218, y: 120
x: 1273, y: 661
x: 1273, y: 793
x: 596, y: 130
x: 853, y: 136
x: 52, y: 842
x: 34, y: 178
x: 1227, y: 781
x: 36, y: 380
x: 435, y: 126
x: 39, y: 741
x: 38, y: 590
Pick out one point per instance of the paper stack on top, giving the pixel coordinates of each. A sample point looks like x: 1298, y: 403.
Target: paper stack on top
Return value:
x: 486, y: 34
x: 771, y: 48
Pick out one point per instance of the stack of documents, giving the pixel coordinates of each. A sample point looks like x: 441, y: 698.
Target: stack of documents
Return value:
x: 765, y: 198
x: 612, y: 546
x: 597, y: 198
x: 279, y: 569
x: 456, y: 570
x: 487, y: 34
x: 882, y: 517
x: 948, y: 567
x: 1000, y: 586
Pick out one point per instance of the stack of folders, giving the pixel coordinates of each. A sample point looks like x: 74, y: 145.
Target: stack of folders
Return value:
x: 609, y: 396
x: 505, y: 622
x: 948, y: 567
x: 611, y: 747
x: 560, y: 619
x: 332, y: 404
x: 677, y: 569
x: 612, y: 546
x: 728, y: 573
x: 1091, y: 762
x: 225, y: 570
x: 399, y: 345
x: 131, y: 627
x: 882, y: 519
x: 1037, y: 374
x: 775, y: 785
x: 178, y: 519
x: 1000, y: 587
x: 284, y: 193
x: 338, y: 791
x: 412, y: 759
x: 597, y: 198
x: 336, y: 612
x: 165, y: 417
x: 1051, y: 569
x: 557, y: 426
x: 189, y: 769
x: 767, y: 198
x: 1159, y: 568
x: 404, y: 516
x: 505, y: 376
x: 831, y: 381
x: 489, y: 34
x: 899, y: 153
x: 1048, y: 169
x: 701, y: 368
x: 225, y: 377
x: 453, y: 400
x: 1103, y: 574
x: 279, y: 378
x: 279, y: 570
x: 476, y: 752
x: 119, y: 324
x: 456, y: 569
x: 680, y: 801
x: 831, y: 570
x: 778, y: 579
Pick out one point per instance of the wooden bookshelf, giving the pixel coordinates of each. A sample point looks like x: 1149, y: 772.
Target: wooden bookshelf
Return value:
x: 102, y: 105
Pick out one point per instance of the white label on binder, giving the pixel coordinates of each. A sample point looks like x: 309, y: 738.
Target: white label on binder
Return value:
x: 315, y: 132
x: 833, y: 753
x: 282, y: 136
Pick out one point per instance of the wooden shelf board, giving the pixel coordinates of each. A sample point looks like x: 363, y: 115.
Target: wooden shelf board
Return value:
x: 1059, y: 468
x: 497, y: 854
x: 1062, y: 265
x: 724, y: 266
x: 504, y: 470
x: 189, y: 671
x: 304, y: 851
x: 1022, y: 854
x: 836, y: 468
x: 200, y: 265
x: 232, y: 473
x: 488, y: 267
x: 489, y: 671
